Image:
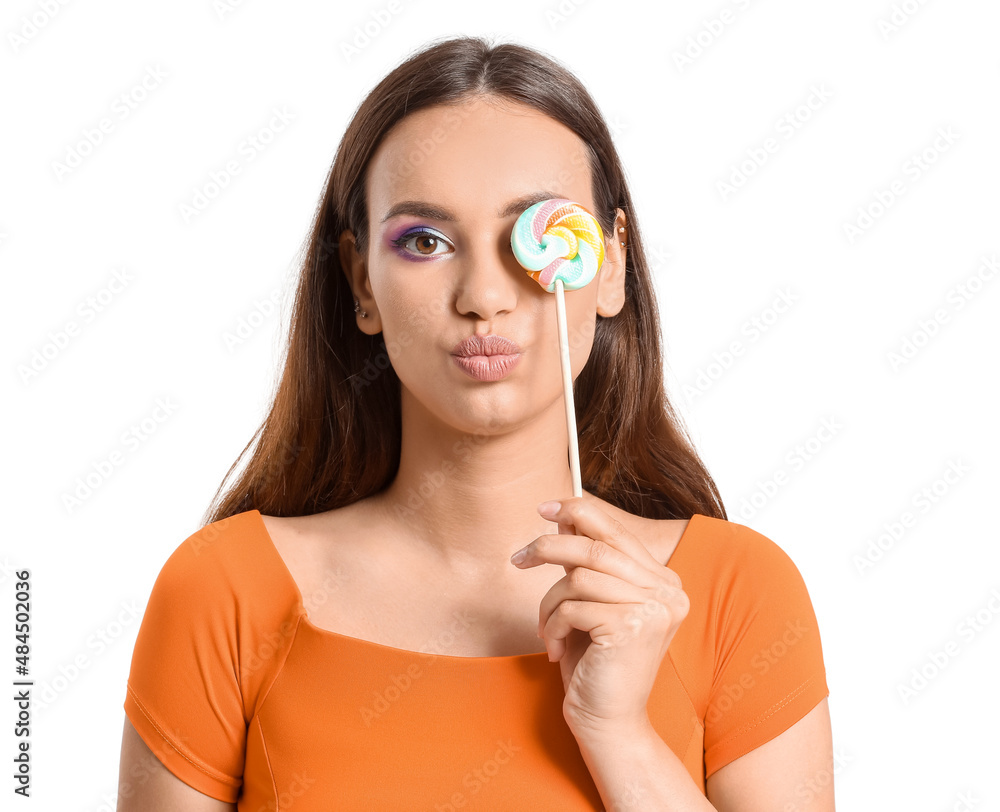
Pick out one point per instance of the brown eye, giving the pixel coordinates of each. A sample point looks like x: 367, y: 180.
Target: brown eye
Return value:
x: 426, y: 241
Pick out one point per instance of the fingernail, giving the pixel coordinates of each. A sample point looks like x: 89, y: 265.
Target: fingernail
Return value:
x: 519, y: 556
x: 549, y: 509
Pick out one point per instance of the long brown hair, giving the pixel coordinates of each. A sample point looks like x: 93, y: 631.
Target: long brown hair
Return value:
x: 333, y: 433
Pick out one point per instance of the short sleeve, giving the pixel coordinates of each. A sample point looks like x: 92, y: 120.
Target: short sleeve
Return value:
x: 183, y: 692
x: 769, y: 669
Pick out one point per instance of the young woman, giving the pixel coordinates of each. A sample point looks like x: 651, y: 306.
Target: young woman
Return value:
x: 348, y: 629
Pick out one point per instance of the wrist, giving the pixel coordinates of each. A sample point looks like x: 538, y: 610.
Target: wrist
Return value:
x: 611, y: 732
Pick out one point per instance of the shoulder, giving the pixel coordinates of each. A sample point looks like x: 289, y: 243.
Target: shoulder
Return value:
x: 721, y: 552
x: 755, y: 655
x: 221, y: 598
x: 226, y: 580
x: 740, y: 579
x: 751, y: 615
x: 231, y: 552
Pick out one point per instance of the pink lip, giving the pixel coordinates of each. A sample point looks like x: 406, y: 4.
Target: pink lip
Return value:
x: 485, y: 345
x: 486, y: 357
x: 486, y: 367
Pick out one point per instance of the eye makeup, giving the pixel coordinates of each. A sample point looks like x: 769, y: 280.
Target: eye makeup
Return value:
x: 399, y: 242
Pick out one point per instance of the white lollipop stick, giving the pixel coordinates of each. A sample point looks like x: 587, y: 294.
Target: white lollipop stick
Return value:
x: 539, y: 238
x: 567, y: 376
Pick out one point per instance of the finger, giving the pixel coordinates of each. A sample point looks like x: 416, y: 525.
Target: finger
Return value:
x: 587, y: 585
x: 590, y: 520
x: 594, y: 554
x: 608, y: 624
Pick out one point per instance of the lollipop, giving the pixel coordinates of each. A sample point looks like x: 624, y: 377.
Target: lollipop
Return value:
x: 561, y: 246
x: 558, y: 239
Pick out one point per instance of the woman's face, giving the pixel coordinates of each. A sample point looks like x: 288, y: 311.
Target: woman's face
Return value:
x: 441, y: 268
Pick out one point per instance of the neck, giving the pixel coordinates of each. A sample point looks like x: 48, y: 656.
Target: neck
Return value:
x: 470, y: 498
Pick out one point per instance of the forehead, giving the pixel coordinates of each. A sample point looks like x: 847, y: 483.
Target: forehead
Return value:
x: 474, y: 157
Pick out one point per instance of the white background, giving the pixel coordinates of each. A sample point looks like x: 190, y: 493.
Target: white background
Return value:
x: 719, y: 262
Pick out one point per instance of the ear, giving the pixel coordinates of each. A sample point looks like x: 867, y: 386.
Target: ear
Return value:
x: 355, y: 268
x: 611, y: 277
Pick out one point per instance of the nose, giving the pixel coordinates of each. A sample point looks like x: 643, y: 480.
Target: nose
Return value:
x: 489, y: 279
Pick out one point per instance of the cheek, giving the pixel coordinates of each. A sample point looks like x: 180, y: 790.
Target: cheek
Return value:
x: 582, y: 324
x: 580, y: 327
x: 409, y: 311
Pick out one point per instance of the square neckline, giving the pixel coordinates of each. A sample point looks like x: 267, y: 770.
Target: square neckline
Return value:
x: 403, y: 652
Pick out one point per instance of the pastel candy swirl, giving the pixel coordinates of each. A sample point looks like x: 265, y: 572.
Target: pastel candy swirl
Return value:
x: 558, y: 239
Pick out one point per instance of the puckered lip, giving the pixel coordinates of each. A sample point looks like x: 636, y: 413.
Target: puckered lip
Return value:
x: 485, y: 345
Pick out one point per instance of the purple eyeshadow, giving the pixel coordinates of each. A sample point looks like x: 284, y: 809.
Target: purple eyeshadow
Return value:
x: 397, y: 239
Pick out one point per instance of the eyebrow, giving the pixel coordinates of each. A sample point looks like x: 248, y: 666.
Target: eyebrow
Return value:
x: 419, y: 208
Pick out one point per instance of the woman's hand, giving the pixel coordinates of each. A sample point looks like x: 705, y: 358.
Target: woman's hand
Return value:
x: 609, y: 621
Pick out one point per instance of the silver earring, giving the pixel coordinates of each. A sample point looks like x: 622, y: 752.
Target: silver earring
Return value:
x: 357, y: 309
x: 621, y: 228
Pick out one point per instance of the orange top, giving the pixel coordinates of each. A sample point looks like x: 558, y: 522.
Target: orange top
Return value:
x: 243, y: 698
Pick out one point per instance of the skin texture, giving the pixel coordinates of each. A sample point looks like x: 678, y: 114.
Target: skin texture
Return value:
x: 489, y: 451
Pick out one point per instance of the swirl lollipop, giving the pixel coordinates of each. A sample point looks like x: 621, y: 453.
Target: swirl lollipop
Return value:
x: 561, y: 246
x: 558, y: 239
